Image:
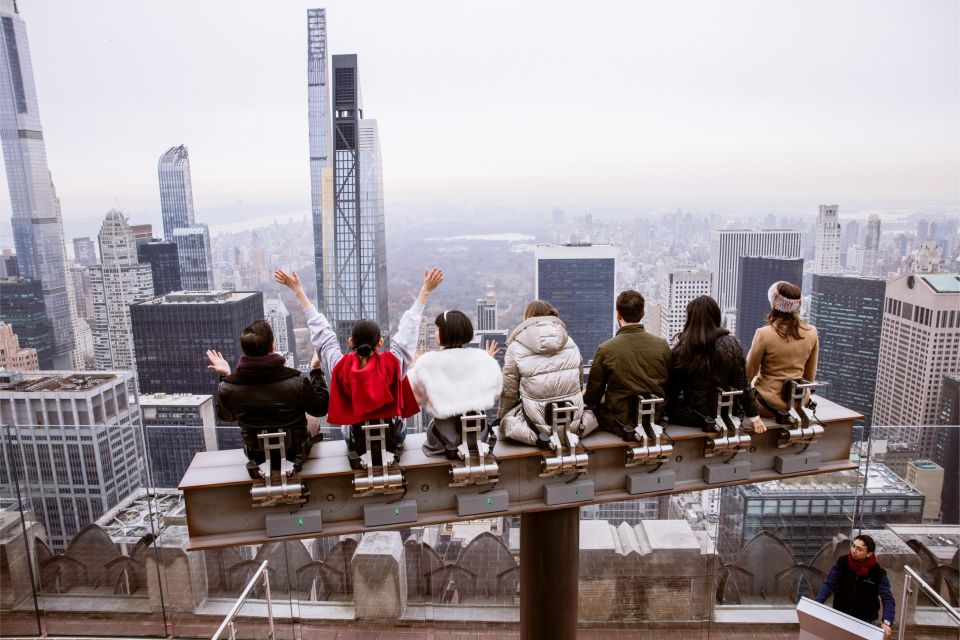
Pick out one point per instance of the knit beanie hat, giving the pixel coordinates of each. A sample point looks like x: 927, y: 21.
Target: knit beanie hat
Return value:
x: 779, y: 302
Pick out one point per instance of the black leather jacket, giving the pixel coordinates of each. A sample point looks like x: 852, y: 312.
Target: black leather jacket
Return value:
x: 275, y: 397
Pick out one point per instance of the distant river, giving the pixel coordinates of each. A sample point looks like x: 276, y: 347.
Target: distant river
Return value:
x: 497, y: 237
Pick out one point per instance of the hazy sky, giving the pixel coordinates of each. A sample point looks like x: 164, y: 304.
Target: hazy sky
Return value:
x: 574, y: 104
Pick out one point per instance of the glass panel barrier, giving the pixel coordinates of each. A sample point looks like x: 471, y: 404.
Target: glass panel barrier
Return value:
x: 930, y: 609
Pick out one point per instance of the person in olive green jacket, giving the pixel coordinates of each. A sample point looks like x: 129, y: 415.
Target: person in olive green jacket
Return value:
x: 631, y: 363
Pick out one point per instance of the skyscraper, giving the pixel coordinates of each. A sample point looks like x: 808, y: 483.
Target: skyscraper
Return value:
x: 176, y: 426
x: 727, y: 246
x: 196, y: 258
x: 179, y: 226
x: 164, y: 261
x: 22, y: 307
x: 827, y: 254
x: 85, y: 251
x: 12, y: 356
x: 171, y: 335
x: 353, y: 244
x: 78, y: 452
x: 677, y: 286
x: 37, y: 224
x: 947, y: 445
x: 116, y: 283
x: 580, y: 281
x: 281, y: 322
x: 848, y: 313
x: 176, y: 190
x: 82, y: 292
x: 871, y: 247
x: 487, y: 312
x: 919, y: 344
x: 755, y: 275
x: 321, y: 172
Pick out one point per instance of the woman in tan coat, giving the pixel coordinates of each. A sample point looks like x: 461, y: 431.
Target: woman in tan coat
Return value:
x: 785, y: 349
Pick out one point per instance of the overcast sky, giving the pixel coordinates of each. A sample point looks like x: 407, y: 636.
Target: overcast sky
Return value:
x: 628, y: 104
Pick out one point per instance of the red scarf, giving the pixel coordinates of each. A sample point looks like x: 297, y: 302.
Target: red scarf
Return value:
x: 861, y: 567
x: 369, y: 393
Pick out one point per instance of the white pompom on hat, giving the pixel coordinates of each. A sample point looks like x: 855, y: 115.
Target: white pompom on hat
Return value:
x: 779, y: 302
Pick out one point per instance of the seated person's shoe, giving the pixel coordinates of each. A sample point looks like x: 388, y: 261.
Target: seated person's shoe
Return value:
x: 253, y: 469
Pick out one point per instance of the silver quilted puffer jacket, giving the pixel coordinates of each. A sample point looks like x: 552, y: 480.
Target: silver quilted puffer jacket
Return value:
x: 542, y: 365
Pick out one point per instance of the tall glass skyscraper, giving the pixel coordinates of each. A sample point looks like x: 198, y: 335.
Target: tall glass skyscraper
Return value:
x: 196, y: 257
x: 37, y: 224
x: 347, y: 191
x: 728, y: 245
x: 580, y: 281
x: 179, y: 226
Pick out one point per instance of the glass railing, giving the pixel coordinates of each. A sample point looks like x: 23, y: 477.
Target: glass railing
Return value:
x: 926, y: 608
x: 92, y: 547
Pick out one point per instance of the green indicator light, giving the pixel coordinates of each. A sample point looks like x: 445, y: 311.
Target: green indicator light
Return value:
x: 489, y: 500
x: 396, y: 511
x: 300, y: 521
x: 576, y: 491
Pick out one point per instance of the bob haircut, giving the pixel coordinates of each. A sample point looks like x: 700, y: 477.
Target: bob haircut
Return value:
x: 455, y: 329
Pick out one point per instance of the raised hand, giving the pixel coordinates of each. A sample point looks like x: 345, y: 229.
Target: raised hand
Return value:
x: 492, y: 349
x: 431, y: 280
x: 218, y: 364
x: 292, y: 280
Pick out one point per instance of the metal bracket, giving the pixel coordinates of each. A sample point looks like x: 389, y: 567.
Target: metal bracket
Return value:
x: 382, y: 474
x: 654, y: 448
x: 801, y: 429
x: 728, y: 438
x: 277, y: 473
x: 568, y: 456
x: 475, y: 467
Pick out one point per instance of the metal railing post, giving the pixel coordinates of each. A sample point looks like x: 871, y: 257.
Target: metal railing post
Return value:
x: 266, y: 588
x: 904, y: 604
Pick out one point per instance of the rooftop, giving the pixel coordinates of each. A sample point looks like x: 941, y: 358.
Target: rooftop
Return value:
x: 943, y: 282
x: 200, y: 297
x: 173, y: 399
x: 881, y: 480
x: 57, y: 381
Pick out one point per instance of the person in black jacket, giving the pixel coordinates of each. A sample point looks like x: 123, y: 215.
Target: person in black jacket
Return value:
x: 859, y: 585
x: 706, y: 357
x: 264, y: 395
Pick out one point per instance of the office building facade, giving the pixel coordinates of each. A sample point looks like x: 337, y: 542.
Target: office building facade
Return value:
x: 728, y: 246
x: 677, y: 286
x: 36, y: 220
x: 176, y: 190
x: 116, y: 283
x: 871, y: 247
x: 85, y: 251
x: 848, y: 313
x: 946, y: 447
x: 827, y: 251
x: 177, y: 427
x: 755, y: 276
x: 12, y: 356
x: 580, y: 281
x: 164, y: 261
x: 195, y: 256
x: 919, y: 344
x: 487, y: 312
x: 281, y: 322
x: 321, y: 170
x: 22, y: 307
x: 74, y: 441
x: 172, y: 333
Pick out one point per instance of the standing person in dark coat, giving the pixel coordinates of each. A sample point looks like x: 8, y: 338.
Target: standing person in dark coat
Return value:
x: 859, y: 586
x: 706, y: 357
x: 631, y: 363
x: 264, y: 395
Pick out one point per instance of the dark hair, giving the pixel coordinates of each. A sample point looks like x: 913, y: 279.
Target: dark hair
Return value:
x: 867, y: 541
x: 540, y: 308
x: 455, y: 328
x: 696, y: 346
x: 787, y: 325
x: 365, y: 336
x: 630, y: 305
x: 257, y: 339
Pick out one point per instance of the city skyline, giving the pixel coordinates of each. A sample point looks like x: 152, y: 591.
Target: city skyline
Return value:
x: 758, y: 141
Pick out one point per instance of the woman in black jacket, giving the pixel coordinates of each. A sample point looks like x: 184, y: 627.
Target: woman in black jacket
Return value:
x: 705, y: 357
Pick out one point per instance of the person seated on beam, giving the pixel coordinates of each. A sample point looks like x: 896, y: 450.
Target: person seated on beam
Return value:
x: 454, y: 381
x: 785, y: 349
x: 542, y: 365
x: 264, y: 395
x: 367, y: 384
x: 707, y: 357
x: 630, y: 364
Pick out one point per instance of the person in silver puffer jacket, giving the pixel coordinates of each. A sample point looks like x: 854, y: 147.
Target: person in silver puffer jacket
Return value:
x: 542, y: 365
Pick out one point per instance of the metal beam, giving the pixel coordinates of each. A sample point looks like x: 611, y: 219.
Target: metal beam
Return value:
x: 219, y: 510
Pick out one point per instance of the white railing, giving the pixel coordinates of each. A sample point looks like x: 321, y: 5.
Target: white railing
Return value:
x: 228, y: 621
x: 910, y: 577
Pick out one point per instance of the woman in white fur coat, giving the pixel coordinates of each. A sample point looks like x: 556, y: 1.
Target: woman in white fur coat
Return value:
x: 542, y: 365
x: 453, y: 381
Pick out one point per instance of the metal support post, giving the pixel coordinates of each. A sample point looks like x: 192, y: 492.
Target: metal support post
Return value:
x: 549, y: 568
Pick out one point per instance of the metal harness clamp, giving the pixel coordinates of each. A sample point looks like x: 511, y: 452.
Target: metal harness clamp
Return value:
x: 382, y: 473
x: 477, y: 464
x: 728, y: 438
x: 280, y: 485
x: 568, y: 454
x: 802, y: 428
x: 653, y: 448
